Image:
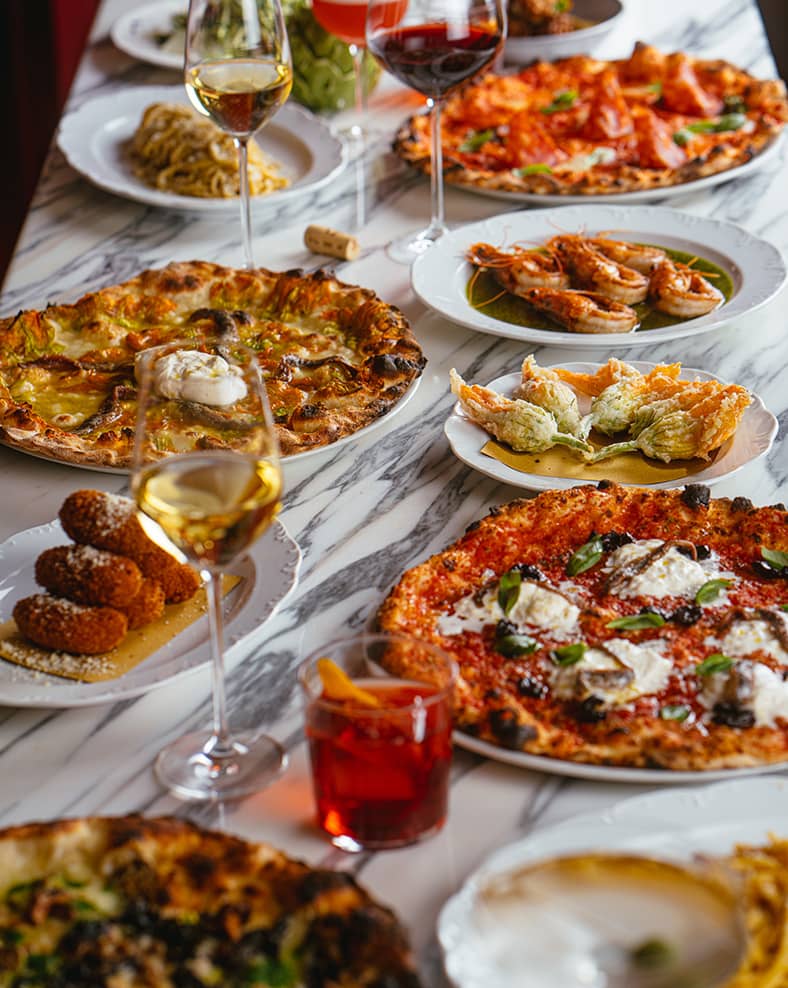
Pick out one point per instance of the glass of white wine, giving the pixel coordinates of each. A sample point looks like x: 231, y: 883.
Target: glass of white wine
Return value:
x: 207, y: 479
x: 238, y: 72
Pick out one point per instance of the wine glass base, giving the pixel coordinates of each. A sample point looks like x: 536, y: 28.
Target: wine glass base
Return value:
x: 189, y: 769
x: 406, y: 249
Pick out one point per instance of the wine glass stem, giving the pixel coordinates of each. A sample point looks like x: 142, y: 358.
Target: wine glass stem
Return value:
x: 219, y: 743
x: 358, y: 52
x: 437, y: 225
x: 246, y: 217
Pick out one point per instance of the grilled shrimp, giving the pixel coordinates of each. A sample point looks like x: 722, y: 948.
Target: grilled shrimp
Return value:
x: 582, y: 312
x: 639, y: 257
x: 519, y: 269
x: 596, y: 272
x: 526, y: 427
x: 680, y: 291
x: 545, y: 388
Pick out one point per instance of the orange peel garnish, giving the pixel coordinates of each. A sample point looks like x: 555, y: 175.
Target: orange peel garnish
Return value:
x: 337, y: 685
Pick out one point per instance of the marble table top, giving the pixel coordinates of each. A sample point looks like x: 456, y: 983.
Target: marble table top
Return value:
x: 361, y: 513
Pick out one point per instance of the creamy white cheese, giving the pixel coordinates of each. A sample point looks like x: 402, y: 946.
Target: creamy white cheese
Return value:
x: 191, y: 375
x: 671, y: 575
x: 746, y: 637
x: 769, y: 699
x: 650, y: 667
x: 536, y: 607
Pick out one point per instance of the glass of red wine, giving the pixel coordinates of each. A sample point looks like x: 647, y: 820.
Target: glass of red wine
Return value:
x: 434, y: 47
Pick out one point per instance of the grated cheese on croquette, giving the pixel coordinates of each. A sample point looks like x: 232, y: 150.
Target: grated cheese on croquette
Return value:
x: 54, y: 622
x: 88, y: 575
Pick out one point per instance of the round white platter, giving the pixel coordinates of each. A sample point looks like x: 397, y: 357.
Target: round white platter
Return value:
x: 752, y: 440
x: 440, y: 276
x: 94, y: 138
x: 268, y: 574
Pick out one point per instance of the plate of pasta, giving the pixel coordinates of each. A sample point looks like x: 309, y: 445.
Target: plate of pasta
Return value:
x: 146, y: 143
x: 736, y: 827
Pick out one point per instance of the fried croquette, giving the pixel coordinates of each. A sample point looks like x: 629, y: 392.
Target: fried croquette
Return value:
x: 88, y: 575
x: 109, y: 521
x: 147, y: 605
x: 62, y: 625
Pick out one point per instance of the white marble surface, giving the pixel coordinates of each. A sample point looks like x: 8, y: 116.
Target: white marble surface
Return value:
x: 361, y: 514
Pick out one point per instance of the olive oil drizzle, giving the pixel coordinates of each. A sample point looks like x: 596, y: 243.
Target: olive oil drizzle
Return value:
x: 485, y: 294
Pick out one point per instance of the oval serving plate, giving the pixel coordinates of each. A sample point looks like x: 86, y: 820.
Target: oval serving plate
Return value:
x: 440, y: 276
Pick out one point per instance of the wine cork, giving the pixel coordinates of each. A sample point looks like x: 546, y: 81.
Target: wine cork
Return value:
x: 322, y: 240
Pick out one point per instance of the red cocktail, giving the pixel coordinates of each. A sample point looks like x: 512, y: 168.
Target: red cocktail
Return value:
x: 380, y: 773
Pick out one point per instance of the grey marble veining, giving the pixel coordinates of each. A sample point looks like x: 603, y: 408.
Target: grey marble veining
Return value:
x: 363, y: 512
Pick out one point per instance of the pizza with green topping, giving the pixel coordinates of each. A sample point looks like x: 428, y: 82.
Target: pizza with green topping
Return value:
x: 130, y: 902
x: 334, y: 356
x: 615, y: 625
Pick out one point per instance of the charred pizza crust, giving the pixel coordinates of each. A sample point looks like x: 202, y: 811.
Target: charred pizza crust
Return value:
x: 547, y: 702
x: 335, y: 356
x: 623, y: 113
x: 161, y: 902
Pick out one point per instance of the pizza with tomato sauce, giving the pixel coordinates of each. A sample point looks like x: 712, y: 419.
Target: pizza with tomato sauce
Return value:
x: 615, y: 626
x: 334, y: 357
x: 580, y: 126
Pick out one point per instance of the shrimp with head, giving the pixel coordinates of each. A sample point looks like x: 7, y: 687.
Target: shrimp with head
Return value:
x: 583, y: 312
x: 519, y: 268
x: 639, y: 257
x: 681, y: 291
x: 594, y: 270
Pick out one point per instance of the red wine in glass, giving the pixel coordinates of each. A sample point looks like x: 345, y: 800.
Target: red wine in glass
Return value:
x: 431, y: 59
x: 434, y: 48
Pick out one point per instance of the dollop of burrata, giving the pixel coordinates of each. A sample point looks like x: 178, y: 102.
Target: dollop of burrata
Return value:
x: 191, y: 375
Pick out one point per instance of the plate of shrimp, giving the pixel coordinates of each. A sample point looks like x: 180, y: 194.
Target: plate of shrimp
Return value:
x: 654, y: 425
x: 598, y: 276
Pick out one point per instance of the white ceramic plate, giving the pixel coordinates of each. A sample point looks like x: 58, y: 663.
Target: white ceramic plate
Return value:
x: 605, y: 15
x: 752, y: 440
x: 93, y: 139
x: 756, y: 267
x: 136, y: 31
x: 268, y: 574
x: 769, y: 153
x: 604, y: 773
x: 673, y: 824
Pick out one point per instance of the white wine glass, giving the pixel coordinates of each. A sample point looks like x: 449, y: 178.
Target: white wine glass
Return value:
x: 207, y: 479
x: 434, y: 47
x: 238, y: 71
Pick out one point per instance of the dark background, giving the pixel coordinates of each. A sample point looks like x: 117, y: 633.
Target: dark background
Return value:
x: 41, y: 42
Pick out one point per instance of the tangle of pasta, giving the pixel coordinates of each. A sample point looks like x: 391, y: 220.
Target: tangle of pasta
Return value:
x: 176, y: 150
x: 764, y: 875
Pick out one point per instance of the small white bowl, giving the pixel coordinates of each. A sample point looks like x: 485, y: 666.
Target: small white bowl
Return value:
x: 605, y: 15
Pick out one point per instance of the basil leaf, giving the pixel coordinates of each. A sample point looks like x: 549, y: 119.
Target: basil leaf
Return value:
x: 654, y: 87
x: 509, y: 589
x: 711, y: 590
x: 513, y: 645
x: 536, y: 169
x: 652, y: 954
x: 271, y: 973
x: 675, y: 711
x: 562, y: 100
x: 568, y: 655
x: 776, y: 559
x: 714, y: 663
x: 682, y: 137
x: 635, y: 622
x: 476, y: 139
x: 585, y: 557
x: 727, y: 122
x: 784, y: 607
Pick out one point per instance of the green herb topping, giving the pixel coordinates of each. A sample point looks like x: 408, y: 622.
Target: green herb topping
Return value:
x: 636, y: 622
x: 585, y: 557
x: 710, y: 590
x: 568, y: 655
x: 714, y: 663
